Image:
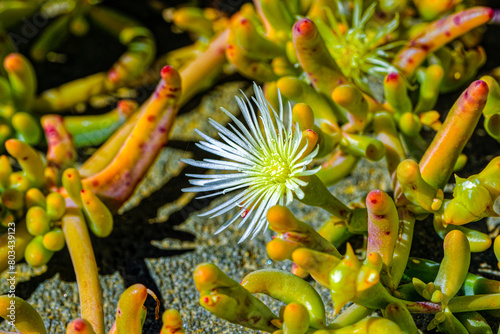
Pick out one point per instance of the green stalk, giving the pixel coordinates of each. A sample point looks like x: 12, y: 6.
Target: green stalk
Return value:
x: 82, y: 255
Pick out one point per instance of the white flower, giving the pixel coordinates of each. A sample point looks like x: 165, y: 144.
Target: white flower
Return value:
x: 265, y: 159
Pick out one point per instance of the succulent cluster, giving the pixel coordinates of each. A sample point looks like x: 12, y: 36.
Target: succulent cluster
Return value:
x: 18, y: 88
x: 130, y: 315
x: 364, y: 89
x: 45, y: 199
x: 382, y: 281
x: 342, y: 81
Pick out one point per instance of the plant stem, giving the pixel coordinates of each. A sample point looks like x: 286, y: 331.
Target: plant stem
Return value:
x: 458, y: 304
x: 350, y: 316
x: 195, y: 77
x: 316, y: 194
x: 201, y: 72
x: 82, y: 255
x: 423, y: 307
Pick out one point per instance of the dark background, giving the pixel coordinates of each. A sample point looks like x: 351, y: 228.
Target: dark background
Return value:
x: 130, y: 243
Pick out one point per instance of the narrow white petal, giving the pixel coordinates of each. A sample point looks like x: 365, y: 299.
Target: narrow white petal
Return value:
x: 250, y: 183
x: 311, y: 155
x: 231, y: 138
x: 199, y: 189
x: 246, y: 134
x: 209, y: 195
x: 298, y: 155
x: 289, y: 196
x: 281, y: 105
x: 310, y: 171
x: 290, y: 121
x: 259, y: 215
x: 299, y: 193
x: 263, y: 220
x: 229, y: 222
x: 215, y: 176
x: 198, y: 182
x: 297, y: 137
x: 221, y: 147
x: 230, y: 203
x: 214, y: 142
x: 224, y: 154
x: 247, y: 196
x: 209, y: 165
x: 247, y: 151
x: 249, y: 119
x: 299, y: 182
x: 231, y: 165
x: 221, y: 183
x: 255, y: 146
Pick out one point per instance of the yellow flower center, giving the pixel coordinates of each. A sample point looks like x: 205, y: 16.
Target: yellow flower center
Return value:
x: 276, y: 169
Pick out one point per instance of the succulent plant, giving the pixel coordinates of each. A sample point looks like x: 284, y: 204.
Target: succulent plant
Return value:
x: 375, y: 283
